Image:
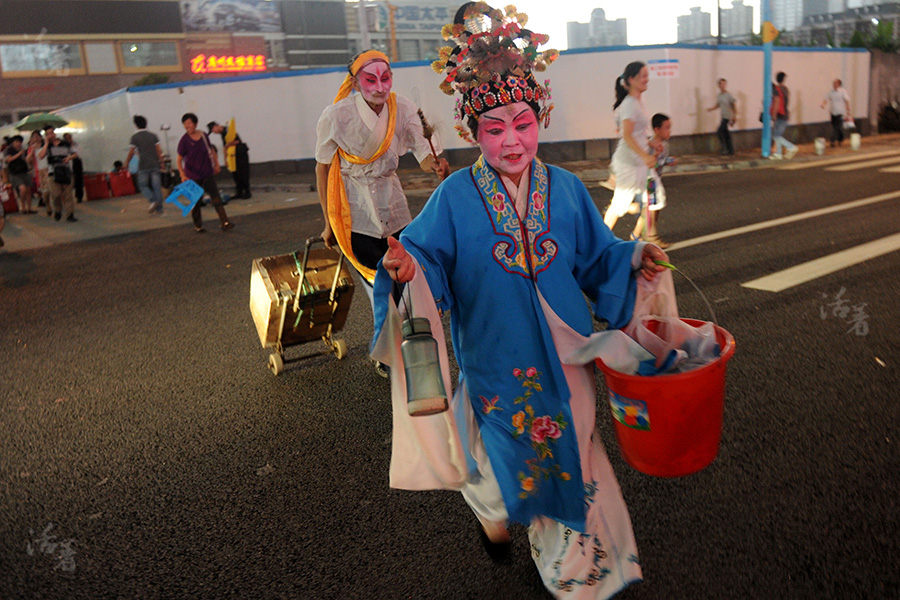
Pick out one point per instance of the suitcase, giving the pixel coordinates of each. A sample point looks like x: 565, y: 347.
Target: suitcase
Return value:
x: 300, y: 297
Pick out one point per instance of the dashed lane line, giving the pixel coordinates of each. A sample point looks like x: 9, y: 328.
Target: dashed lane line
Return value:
x: 782, y: 280
x: 836, y: 160
x: 703, y: 239
x: 865, y: 165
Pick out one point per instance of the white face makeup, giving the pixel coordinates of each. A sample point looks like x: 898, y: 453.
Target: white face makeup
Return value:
x: 508, y: 137
x: 374, y: 81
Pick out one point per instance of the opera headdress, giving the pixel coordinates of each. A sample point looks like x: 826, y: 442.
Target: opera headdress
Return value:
x: 492, y: 62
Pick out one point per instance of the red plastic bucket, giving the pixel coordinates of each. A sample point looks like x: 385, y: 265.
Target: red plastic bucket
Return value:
x: 670, y: 425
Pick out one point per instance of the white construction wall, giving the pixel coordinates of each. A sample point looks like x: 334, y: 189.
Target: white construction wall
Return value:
x: 276, y: 114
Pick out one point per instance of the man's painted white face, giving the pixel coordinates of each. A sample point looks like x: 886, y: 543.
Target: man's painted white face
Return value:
x: 375, y: 81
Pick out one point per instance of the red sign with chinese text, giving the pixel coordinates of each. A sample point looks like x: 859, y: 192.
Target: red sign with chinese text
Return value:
x: 228, y: 64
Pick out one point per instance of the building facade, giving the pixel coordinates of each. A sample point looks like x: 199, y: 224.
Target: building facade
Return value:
x: 736, y: 21
x: 59, y: 52
x: 599, y: 31
x: 694, y: 27
x: 837, y: 29
x: 405, y: 30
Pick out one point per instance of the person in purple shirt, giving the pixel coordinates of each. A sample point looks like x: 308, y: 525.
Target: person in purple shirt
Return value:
x: 198, y: 161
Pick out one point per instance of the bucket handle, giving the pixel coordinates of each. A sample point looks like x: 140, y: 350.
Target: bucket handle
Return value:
x: 672, y: 267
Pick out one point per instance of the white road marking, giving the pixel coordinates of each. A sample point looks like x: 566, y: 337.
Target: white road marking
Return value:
x: 836, y: 160
x: 782, y: 221
x: 865, y: 165
x: 782, y: 280
x: 890, y: 170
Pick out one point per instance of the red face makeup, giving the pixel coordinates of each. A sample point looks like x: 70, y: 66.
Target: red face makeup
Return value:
x: 375, y: 81
x: 508, y: 137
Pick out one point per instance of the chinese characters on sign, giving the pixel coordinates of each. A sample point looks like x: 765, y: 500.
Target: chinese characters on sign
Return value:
x: 662, y: 68
x: 228, y: 64
x: 840, y: 307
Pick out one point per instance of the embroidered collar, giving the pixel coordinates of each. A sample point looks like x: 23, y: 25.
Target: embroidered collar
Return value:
x: 525, y: 247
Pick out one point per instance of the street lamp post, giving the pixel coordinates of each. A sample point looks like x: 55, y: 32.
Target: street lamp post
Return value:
x: 363, y: 25
x: 718, y: 23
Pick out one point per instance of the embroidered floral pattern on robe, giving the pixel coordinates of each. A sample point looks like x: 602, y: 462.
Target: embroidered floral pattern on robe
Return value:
x: 520, y: 255
x: 543, y: 432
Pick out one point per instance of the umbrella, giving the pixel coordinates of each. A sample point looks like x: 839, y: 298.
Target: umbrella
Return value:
x: 39, y: 121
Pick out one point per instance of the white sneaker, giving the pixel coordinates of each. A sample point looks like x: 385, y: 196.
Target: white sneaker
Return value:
x: 774, y: 157
x: 791, y: 153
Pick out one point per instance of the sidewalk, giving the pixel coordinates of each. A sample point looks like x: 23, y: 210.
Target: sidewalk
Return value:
x: 127, y: 214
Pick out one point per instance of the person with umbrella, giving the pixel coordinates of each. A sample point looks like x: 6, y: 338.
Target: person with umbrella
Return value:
x: 59, y: 164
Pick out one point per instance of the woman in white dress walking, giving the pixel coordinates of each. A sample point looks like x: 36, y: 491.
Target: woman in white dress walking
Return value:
x: 633, y: 157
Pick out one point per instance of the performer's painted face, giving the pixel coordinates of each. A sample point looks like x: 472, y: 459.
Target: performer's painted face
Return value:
x: 508, y: 137
x: 375, y: 81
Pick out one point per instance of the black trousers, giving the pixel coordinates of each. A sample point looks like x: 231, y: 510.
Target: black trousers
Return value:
x: 837, y: 128
x: 369, y: 250
x: 209, y: 186
x: 241, y: 173
x: 78, y: 178
x: 725, y: 137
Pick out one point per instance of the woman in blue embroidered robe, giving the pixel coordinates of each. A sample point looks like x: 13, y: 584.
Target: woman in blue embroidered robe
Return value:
x: 514, y: 280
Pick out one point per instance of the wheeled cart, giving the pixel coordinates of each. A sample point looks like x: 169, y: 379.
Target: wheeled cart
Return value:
x: 300, y: 297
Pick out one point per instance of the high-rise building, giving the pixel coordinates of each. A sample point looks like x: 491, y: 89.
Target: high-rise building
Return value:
x: 403, y: 29
x: 578, y: 35
x: 816, y: 7
x: 737, y: 20
x: 694, y: 27
x: 787, y: 14
x: 599, y: 31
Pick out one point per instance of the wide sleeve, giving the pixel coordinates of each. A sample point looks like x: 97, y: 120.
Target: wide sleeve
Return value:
x: 326, y: 145
x: 413, y: 137
x: 603, y: 263
x: 431, y: 240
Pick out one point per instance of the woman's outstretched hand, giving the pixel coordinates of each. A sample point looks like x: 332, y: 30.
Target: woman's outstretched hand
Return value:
x: 649, y: 268
x: 398, y: 262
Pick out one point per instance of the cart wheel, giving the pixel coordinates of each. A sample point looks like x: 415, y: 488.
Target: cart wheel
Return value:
x: 340, y: 348
x: 276, y: 363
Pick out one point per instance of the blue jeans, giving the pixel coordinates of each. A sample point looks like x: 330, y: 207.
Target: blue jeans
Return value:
x: 778, y: 133
x: 150, y: 185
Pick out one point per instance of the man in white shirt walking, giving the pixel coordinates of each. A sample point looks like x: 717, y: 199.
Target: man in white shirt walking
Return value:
x: 838, y: 101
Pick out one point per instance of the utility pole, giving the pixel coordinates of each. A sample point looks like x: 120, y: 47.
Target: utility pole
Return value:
x: 363, y: 19
x: 769, y: 33
x: 718, y: 23
x: 393, y: 27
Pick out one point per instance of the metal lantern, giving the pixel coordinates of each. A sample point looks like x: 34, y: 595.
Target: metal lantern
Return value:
x: 425, y: 392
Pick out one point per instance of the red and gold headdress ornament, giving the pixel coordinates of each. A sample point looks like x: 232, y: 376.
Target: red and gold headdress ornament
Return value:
x: 492, y: 62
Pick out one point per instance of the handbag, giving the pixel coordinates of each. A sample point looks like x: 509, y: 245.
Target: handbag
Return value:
x: 212, y: 157
x: 62, y: 174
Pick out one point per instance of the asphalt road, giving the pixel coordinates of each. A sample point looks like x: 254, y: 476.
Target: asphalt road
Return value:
x: 147, y: 452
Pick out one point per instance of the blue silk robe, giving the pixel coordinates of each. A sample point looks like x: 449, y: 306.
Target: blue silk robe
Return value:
x: 487, y: 266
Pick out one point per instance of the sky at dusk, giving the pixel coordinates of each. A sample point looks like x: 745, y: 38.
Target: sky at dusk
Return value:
x: 649, y: 21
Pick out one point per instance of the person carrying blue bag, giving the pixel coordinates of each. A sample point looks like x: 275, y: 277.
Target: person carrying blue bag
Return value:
x: 198, y: 162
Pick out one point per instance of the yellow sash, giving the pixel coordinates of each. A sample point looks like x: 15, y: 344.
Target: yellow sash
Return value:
x: 339, y: 206
x: 230, y: 152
